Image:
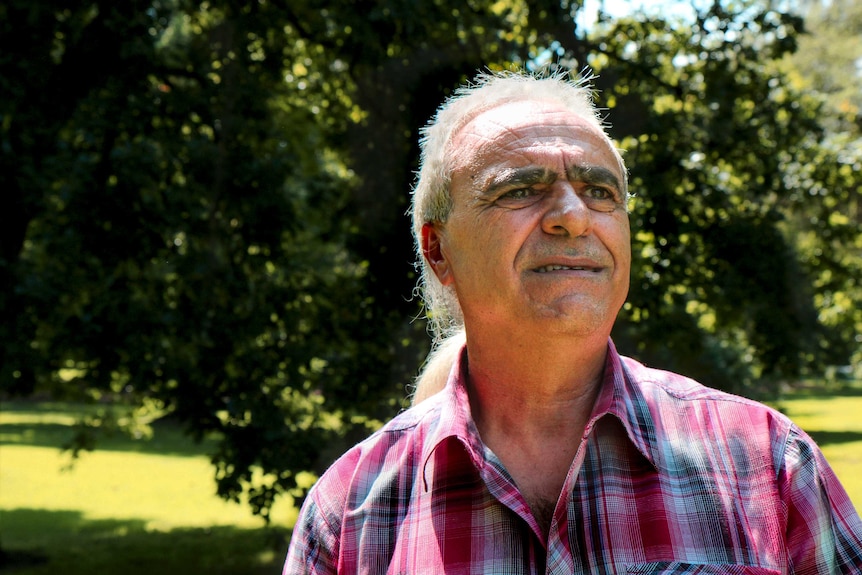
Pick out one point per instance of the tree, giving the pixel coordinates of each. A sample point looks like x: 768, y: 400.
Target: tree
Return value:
x: 183, y: 249
x: 207, y: 204
x: 718, y: 136
x: 829, y: 63
x: 715, y: 116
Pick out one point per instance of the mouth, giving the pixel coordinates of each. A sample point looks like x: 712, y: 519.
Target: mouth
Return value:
x: 554, y: 268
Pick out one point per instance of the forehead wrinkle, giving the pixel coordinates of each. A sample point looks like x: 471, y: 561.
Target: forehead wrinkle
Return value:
x: 488, y: 130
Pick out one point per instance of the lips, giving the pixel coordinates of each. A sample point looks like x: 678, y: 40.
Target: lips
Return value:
x: 591, y: 266
x: 556, y: 267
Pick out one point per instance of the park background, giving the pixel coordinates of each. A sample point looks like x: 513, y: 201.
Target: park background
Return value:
x: 206, y: 269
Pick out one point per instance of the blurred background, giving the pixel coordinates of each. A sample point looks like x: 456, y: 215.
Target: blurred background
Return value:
x: 207, y: 273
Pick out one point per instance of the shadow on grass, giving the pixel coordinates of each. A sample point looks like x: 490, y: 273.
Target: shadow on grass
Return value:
x: 167, y: 438
x: 42, y: 542
x: 170, y: 441
x: 832, y: 437
x: 825, y: 389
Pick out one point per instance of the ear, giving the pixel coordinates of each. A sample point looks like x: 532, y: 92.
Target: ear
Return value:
x: 432, y: 249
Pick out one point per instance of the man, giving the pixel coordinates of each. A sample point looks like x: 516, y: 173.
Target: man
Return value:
x: 547, y: 452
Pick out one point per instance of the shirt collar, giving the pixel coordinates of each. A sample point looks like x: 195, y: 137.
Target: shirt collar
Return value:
x: 455, y: 420
x: 620, y: 396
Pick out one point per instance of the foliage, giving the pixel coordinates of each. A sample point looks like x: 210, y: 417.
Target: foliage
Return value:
x: 746, y: 220
x: 184, y: 244
x: 206, y: 204
x: 829, y: 61
x: 716, y: 120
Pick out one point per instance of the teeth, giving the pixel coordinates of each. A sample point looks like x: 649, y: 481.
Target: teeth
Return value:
x: 544, y: 269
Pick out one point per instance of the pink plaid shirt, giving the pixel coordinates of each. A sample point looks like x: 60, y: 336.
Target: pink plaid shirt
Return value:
x: 672, y: 477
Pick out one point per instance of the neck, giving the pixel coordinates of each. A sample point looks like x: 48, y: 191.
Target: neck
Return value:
x: 531, y: 404
x: 521, y: 387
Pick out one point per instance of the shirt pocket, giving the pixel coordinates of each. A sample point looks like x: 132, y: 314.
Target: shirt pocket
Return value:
x: 680, y: 568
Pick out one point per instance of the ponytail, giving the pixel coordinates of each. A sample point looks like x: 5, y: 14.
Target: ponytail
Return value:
x: 436, y: 370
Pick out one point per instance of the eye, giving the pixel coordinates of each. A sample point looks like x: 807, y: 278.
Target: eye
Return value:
x: 600, y: 193
x: 518, y: 198
x: 600, y: 198
x: 518, y: 194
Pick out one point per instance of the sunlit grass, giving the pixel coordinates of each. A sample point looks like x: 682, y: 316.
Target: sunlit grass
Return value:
x: 163, y: 492
x: 133, y: 507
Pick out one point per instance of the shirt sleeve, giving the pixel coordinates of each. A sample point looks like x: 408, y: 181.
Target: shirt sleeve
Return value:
x: 824, y: 531
x: 313, y: 546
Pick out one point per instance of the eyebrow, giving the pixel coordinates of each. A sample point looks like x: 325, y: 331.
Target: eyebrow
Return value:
x: 531, y: 175
x: 520, y: 177
x: 593, y: 175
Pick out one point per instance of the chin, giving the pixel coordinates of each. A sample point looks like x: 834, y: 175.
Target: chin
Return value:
x: 577, y: 320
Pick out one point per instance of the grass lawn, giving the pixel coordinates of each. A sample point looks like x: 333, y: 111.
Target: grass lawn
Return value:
x: 144, y: 507
x: 130, y: 507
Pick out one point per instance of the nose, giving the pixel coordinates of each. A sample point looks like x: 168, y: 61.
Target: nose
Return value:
x: 566, y: 214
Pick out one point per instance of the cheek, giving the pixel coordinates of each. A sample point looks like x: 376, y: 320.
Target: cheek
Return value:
x: 618, y: 234
x: 490, y: 244
x: 459, y: 249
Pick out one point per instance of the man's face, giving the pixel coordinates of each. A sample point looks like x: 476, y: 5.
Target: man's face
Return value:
x: 538, y: 235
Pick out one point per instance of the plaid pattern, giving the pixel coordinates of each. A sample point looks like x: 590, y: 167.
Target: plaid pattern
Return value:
x: 672, y: 477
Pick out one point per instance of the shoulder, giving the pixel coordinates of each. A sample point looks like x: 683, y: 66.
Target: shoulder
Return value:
x: 366, y: 481
x: 390, y: 455
x: 683, y: 409
x: 658, y: 382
